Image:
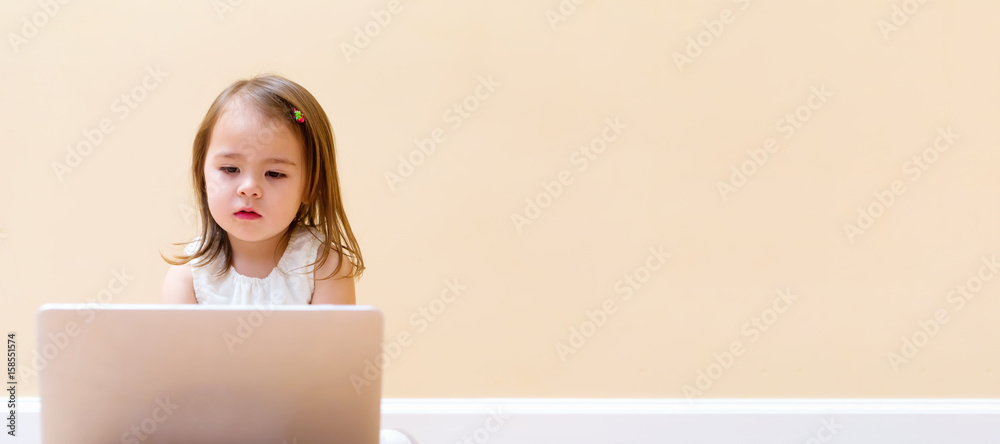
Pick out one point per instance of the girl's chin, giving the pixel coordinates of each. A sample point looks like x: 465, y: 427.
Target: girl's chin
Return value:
x: 245, y: 235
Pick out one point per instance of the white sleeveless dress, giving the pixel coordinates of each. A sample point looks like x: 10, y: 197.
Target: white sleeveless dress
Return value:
x: 290, y: 283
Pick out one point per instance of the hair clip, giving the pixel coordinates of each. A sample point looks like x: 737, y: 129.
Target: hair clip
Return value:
x: 299, y: 116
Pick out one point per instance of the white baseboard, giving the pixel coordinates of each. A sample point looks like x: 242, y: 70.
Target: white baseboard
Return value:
x: 586, y: 421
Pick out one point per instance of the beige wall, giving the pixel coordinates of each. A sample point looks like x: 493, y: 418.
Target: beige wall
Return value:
x: 655, y: 186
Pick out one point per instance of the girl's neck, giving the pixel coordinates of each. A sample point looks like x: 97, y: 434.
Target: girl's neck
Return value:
x: 258, y: 259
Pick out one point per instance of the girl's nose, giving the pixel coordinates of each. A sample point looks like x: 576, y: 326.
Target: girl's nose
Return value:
x: 249, y: 188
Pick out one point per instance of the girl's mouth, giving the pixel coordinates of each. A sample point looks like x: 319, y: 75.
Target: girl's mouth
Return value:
x: 247, y: 215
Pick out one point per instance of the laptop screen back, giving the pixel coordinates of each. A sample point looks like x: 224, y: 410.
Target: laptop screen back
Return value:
x: 208, y: 374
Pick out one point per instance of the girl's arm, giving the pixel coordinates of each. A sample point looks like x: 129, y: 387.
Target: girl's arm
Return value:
x: 338, y: 289
x: 178, y: 286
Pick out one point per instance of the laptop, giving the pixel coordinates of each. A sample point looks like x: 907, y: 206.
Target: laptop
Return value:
x: 149, y: 374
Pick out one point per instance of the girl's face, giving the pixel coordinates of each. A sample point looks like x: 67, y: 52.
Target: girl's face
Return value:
x: 253, y: 174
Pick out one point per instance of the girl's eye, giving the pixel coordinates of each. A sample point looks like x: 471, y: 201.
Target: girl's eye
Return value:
x: 230, y: 170
x: 275, y: 174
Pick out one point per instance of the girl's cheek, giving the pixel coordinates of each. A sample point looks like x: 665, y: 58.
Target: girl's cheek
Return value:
x: 215, y: 180
x: 214, y: 185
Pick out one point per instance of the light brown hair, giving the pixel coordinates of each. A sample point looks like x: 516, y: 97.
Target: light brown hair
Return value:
x: 274, y: 97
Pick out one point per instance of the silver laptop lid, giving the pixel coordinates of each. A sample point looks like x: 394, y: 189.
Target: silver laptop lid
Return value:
x: 151, y: 374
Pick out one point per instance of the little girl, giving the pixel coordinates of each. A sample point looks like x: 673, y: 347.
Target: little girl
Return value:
x: 273, y: 227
